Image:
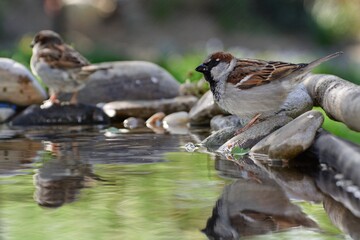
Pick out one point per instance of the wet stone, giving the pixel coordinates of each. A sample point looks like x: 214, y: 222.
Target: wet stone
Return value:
x: 253, y: 135
x: 60, y: 114
x: 18, y: 85
x: 176, y: 119
x: 204, y: 110
x: 6, y: 111
x: 292, y: 139
x: 220, y: 121
x: 218, y: 138
x: 132, y: 123
x: 340, y: 156
x: 155, y: 120
x: 146, y: 108
x: 127, y: 80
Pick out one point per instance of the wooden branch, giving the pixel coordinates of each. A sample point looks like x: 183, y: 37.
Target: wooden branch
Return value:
x: 339, y: 98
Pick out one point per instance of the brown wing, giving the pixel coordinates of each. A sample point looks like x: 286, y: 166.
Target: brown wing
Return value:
x: 250, y: 73
x: 63, y: 57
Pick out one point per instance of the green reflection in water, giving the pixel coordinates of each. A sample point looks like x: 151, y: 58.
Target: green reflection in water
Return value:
x: 169, y: 200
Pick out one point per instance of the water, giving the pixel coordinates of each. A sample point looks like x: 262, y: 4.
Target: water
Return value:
x: 81, y: 183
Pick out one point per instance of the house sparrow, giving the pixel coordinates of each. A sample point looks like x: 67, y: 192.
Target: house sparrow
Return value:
x: 59, y: 66
x: 252, y: 88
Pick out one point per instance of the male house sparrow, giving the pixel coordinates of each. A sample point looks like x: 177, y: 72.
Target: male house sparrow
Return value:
x: 252, y: 88
x: 60, y: 67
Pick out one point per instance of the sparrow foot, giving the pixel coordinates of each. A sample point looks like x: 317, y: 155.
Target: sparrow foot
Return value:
x: 248, y: 125
x: 48, y: 103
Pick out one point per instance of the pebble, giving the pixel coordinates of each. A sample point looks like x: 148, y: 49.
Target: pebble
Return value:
x: 155, y: 120
x: 176, y: 119
x: 133, y: 123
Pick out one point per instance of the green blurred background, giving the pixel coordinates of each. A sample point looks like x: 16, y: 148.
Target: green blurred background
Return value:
x: 178, y: 34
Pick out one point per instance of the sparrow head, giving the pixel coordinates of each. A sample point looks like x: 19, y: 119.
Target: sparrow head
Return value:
x: 46, y: 37
x: 216, y: 66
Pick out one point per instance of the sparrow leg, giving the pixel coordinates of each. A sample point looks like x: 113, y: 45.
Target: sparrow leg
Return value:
x: 51, y: 101
x: 73, y: 99
x: 248, y: 125
x: 53, y: 98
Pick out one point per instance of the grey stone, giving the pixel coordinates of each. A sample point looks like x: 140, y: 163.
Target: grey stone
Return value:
x: 176, y: 119
x: 18, y: 85
x: 205, y: 109
x: 133, y: 123
x: 298, y: 102
x: 128, y: 80
x: 341, y: 156
x: 6, y: 112
x: 218, y: 138
x: 146, y: 108
x: 60, y: 114
x: 253, y: 135
x: 220, y: 121
x: 292, y: 139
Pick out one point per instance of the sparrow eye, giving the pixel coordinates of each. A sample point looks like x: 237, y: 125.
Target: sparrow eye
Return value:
x: 218, y: 59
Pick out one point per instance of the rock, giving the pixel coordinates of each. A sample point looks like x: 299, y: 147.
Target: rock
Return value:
x: 253, y: 135
x: 6, y: 111
x: 128, y: 80
x: 155, y: 123
x: 176, y: 119
x: 292, y: 139
x: 340, y: 156
x: 60, y: 114
x: 204, y: 110
x: 298, y: 102
x: 176, y: 123
x: 133, y: 123
x: 218, y: 138
x: 146, y: 108
x: 156, y: 119
x: 220, y: 121
x: 339, y: 98
x: 18, y: 85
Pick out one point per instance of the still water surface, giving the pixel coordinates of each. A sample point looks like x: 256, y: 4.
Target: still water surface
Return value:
x: 76, y: 183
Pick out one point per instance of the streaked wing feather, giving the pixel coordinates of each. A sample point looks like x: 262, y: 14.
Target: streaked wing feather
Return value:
x: 257, y: 72
x: 63, y: 57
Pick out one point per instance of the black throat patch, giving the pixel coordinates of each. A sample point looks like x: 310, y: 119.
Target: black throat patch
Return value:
x: 213, y: 85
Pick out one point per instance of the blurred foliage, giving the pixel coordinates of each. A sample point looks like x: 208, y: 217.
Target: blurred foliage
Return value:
x: 325, y: 21
x: 182, y: 67
x: 339, y: 129
x: 337, y: 20
x: 254, y: 15
x: 161, y: 10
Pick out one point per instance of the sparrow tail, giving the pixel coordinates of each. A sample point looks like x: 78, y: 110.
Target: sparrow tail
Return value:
x: 323, y: 59
x: 94, y: 68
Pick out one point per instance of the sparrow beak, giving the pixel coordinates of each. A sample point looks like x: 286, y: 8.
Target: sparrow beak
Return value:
x: 202, y: 68
x: 32, y: 44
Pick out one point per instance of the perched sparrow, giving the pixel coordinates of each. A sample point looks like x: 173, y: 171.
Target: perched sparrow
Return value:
x: 249, y: 88
x: 60, y: 67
